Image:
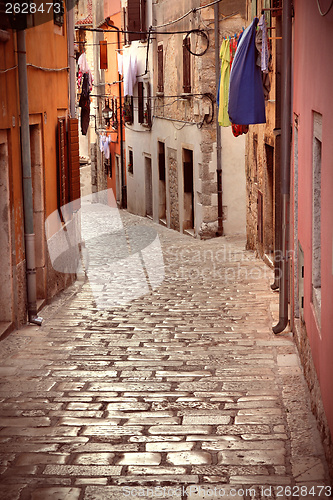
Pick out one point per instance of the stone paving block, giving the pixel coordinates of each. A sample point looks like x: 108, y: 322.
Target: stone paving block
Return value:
x: 40, y: 431
x: 112, y: 430
x: 248, y: 457
x: 88, y: 421
x: 139, y: 459
x: 25, y: 422
x: 179, y: 429
x: 98, y: 481
x: 159, y: 471
x: 82, y: 470
x: 170, y: 446
x: 57, y: 493
x: 206, y: 419
x: 99, y: 458
x: 189, y: 457
x: 40, y: 458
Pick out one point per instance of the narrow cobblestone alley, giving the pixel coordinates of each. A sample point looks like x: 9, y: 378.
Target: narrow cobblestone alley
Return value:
x: 182, y: 393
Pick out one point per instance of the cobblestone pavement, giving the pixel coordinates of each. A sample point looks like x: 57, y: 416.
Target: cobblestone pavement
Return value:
x: 182, y: 393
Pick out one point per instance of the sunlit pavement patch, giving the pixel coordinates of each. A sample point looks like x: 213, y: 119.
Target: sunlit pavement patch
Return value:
x: 121, y: 264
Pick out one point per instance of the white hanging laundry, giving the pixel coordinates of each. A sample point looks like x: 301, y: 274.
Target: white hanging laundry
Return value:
x: 129, y: 73
x: 107, y: 141
x: 83, y: 64
x: 120, y: 63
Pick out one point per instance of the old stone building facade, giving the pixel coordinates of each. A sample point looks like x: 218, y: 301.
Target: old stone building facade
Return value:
x: 174, y: 178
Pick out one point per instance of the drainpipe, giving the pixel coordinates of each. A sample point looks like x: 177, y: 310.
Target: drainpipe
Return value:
x: 285, y: 164
x: 218, y: 128
x: 29, y: 235
x: 123, y: 184
x: 71, y: 60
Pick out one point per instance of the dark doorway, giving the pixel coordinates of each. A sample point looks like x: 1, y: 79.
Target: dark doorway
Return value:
x: 188, y: 190
x: 162, y: 187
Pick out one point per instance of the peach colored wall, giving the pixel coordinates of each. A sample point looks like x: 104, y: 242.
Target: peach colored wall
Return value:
x: 313, y: 77
x: 111, y: 75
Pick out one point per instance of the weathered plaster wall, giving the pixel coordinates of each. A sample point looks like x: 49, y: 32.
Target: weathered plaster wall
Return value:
x: 312, y: 93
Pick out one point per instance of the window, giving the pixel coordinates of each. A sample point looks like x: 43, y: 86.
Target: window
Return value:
x: 186, y: 66
x: 140, y: 103
x: 160, y: 75
x: 136, y: 19
x: 130, y: 161
x: 316, y: 213
x: 103, y: 54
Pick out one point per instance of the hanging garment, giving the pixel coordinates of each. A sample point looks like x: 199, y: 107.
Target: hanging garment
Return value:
x: 107, y: 141
x: 84, y: 68
x: 129, y: 73
x: 246, y: 95
x: 84, y: 104
x: 224, y: 84
x: 120, y: 63
x: 264, y: 45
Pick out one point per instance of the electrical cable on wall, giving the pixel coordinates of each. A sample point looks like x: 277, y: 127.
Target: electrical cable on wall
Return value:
x: 327, y: 11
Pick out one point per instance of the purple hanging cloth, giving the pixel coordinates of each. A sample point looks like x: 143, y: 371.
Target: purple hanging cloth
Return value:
x: 246, y: 95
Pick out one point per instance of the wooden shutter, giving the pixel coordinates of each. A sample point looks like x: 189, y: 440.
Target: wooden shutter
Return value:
x: 260, y: 227
x: 62, y: 173
x: 186, y: 66
x: 160, y: 75
x: 143, y: 24
x: 140, y: 102
x: 103, y: 53
x: 74, y: 162
x: 133, y: 19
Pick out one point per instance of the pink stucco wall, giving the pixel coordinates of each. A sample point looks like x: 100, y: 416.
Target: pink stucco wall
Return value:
x: 313, y: 91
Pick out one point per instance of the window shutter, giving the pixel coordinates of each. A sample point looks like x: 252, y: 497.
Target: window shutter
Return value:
x: 160, y: 75
x: 140, y: 102
x: 103, y: 53
x: 186, y: 66
x: 143, y: 24
x: 133, y: 19
x: 74, y: 162
x: 62, y: 174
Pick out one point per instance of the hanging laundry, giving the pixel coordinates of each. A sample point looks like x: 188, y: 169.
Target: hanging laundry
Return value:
x: 84, y: 68
x: 120, y: 63
x: 264, y: 45
x: 224, y: 84
x: 106, y: 147
x: 129, y: 72
x: 84, y: 104
x: 246, y: 96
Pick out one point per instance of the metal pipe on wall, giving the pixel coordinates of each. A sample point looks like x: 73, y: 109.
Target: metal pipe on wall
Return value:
x: 285, y: 163
x: 71, y: 60
x: 218, y: 128
x: 29, y: 235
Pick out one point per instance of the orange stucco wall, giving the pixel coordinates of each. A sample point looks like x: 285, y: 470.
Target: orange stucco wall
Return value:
x: 46, y: 47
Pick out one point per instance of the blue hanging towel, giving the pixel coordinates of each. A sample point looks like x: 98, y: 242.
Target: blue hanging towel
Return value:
x: 246, y: 96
